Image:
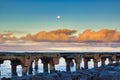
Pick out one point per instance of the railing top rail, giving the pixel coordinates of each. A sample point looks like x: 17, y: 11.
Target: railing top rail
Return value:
x: 55, y: 52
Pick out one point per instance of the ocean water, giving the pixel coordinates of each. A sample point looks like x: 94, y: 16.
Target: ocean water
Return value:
x: 5, y: 68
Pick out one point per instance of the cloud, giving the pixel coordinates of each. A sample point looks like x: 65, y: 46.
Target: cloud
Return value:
x: 55, y: 35
x: 65, y: 31
x: 6, y: 37
x: 1, y: 38
x: 105, y: 35
x: 14, y: 31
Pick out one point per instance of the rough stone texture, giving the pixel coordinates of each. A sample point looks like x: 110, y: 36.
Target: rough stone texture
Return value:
x: 109, y: 72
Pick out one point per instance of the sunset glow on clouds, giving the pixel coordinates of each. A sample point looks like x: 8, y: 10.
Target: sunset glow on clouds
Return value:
x: 56, y: 35
x: 103, y: 35
x: 32, y: 16
x: 59, y: 21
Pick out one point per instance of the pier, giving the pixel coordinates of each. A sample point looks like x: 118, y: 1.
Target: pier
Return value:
x: 25, y: 59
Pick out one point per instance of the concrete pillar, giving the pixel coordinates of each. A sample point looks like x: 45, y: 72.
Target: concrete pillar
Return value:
x: 14, y: 72
x: 78, y: 59
x: 1, y: 62
x: 95, y: 62
x: 45, y: 62
x: 30, y: 68
x: 103, y: 61
x: 0, y: 69
x: 72, y: 64
x: 36, y: 64
x: 77, y: 66
x: 117, y: 60
x: 52, y: 67
x: 45, y: 67
x: 52, y: 62
x: 14, y: 67
x: 68, y: 62
x: 86, y: 63
x: 110, y: 61
x: 55, y: 60
x: 24, y: 70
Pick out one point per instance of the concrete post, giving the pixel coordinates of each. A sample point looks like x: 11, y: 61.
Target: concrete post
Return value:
x: 13, y: 67
x: 45, y: 67
x: 77, y: 66
x: 0, y: 69
x: 77, y: 61
x: 30, y: 68
x: 68, y: 62
x: 110, y: 61
x: 52, y: 67
x: 24, y: 70
x: 45, y: 62
x: 36, y: 64
x: 117, y: 60
x: 52, y: 62
x: 95, y: 63
x: 103, y: 61
x: 72, y: 64
x: 1, y: 61
x: 86, y: 63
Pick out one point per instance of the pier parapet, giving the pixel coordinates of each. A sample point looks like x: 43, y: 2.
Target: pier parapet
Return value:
x: 26, y: 59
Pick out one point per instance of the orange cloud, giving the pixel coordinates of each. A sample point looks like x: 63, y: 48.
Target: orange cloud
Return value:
x: 102, y: 35
x: 1, y: 38
x: 7, y: 36
x: 64, y: 31
x: 56, y: 35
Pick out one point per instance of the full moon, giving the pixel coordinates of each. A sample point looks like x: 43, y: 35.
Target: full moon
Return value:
x: 58, y: 17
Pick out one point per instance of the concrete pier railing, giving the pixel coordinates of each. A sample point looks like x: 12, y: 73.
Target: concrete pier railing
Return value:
x: 25, y: 59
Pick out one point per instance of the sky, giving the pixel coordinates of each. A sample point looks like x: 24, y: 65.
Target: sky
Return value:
x: 32, y: 16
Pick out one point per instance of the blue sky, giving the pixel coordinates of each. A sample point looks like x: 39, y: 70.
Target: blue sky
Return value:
x: 32, y: 16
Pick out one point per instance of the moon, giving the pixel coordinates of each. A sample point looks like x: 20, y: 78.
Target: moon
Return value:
x: 58, y: 17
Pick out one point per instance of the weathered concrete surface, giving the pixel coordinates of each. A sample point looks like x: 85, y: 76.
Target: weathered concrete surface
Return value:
x: 109, y: 72
x: 25, y: 59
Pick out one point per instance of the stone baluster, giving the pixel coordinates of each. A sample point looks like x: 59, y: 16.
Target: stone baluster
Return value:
x: 14, y: 67
x: 68, y: 62
x: 45, y: 67
x: 30, y: 68
x: 117, y: 60
x: 45, y: 62
x: 95, y: 62
x: 77, y: 61
x: 0, y: 69
x: 77, y: 66
x: 36, y: 64
x: 1, y: 62
x: 52, y: 66
x: 103, y: 61
x: 110, y: 61
x: 24, y: 70
x: 52, y: 62
x: 86, y: 63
